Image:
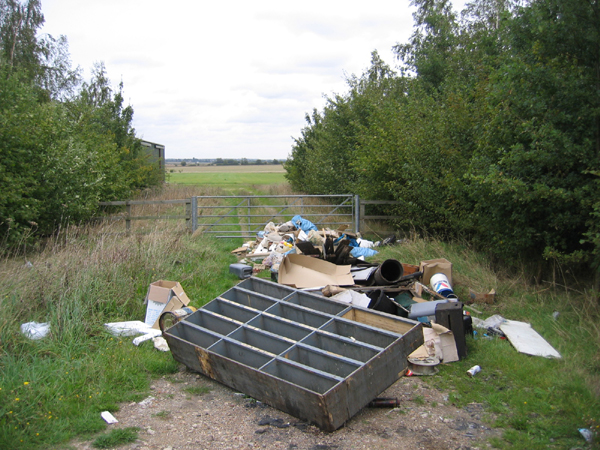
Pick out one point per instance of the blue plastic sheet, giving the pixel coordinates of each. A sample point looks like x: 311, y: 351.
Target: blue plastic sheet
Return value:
x: 303, y: 224
x: 357, y: 252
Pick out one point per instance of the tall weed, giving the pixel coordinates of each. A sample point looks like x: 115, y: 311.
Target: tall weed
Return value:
x: 54, y: 388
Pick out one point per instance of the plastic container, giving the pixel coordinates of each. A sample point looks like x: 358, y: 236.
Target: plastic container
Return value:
x: 473, y: 371
x: 242, y: 271
x: 381, y: 302
x: 441, y: 285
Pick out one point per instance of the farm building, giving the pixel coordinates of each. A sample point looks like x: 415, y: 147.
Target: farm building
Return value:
x: 157, y: 153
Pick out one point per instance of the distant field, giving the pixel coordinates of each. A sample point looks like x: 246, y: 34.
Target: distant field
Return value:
x: 226, y: 176
x: 270, y: 168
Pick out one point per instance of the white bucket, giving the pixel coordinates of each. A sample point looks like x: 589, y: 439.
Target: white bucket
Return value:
x: 441, y: 285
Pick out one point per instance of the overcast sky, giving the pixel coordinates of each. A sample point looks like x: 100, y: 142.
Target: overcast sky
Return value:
x: 230, y: 79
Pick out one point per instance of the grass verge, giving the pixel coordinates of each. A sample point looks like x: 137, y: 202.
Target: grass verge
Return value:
x: 539, y: 403
x: 116, y: 437
x: 54, y: 389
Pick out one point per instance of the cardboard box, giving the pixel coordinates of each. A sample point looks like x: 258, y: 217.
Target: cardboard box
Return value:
x: 302, y: 271
x: 433, y: 266
x: 477, y: 297
x: 163, y: 296
x: 439, y: 342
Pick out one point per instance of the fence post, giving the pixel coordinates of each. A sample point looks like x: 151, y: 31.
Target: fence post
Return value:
x: 128, y: 218
x: 249, y: 217
x: 194, y: 213
x: 357, y: 213
x: 188, y: 213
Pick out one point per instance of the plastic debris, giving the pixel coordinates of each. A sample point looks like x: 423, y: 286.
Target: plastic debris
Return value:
x: 35, y: 330
x: 587, y: 434
x: 132, y: 328
x: 108, y: 417
x: 473, y: 371
x: 152, y: 333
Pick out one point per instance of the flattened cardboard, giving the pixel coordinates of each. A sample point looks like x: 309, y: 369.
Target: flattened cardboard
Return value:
x: 447, y: 343
x: 437, y: 341
x: 301, y: 271
x: 433, y: 266
x: 526, y: 340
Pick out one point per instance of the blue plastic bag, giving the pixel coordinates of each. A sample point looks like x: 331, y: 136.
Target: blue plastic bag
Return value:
x: 303, y: 224
x: 362, y: 251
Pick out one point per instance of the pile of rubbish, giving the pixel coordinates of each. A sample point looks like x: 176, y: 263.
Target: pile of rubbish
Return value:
x: 332, y: 263
x: 300, y: 236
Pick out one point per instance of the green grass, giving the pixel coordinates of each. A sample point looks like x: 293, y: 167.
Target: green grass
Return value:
x: 197, y: 390
x: 165, y: 415
x: 54, y: 389
x: 116, y: 437
x: 539, y: 403
x: 227, y: 180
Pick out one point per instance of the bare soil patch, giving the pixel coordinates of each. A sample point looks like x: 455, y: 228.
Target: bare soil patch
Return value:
x: 179, y: 416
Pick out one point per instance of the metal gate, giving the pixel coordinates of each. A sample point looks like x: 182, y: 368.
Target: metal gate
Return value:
x: 245, y: 215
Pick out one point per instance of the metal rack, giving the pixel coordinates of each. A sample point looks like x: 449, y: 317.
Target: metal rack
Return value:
x: 315, y: 358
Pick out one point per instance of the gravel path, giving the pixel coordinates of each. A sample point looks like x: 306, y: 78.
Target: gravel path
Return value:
x: 179, y: 416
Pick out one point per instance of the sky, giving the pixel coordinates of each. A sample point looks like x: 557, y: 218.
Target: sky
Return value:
x: 230, y: 79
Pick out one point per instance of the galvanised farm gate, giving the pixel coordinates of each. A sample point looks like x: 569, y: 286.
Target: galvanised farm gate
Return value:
x: 242, y: 216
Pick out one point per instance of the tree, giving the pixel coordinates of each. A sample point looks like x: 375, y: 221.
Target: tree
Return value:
x: 19, y: 24
x: 43, y: 61
x: 432, y: 44
x: 531, y: 180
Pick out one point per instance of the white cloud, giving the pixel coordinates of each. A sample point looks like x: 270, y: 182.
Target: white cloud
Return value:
x: 227, y: 79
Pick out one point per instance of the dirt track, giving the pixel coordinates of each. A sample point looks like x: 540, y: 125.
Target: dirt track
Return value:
x: 174, y: 418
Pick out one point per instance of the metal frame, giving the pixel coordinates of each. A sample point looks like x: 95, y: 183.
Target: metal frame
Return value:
x: 349, y: 207
x: 315, y: 358
x: 250, y: 220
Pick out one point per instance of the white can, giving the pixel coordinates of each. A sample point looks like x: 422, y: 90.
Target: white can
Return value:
x: 473, y: 370
x: 441, y: 285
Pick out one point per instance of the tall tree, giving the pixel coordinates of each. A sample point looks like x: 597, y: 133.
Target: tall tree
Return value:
x: 538, y: 148
x: 430, y: 47
x: 19, y: 24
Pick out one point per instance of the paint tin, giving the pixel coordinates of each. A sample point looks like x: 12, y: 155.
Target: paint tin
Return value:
x: 170, y: 318
x: 473, y: 370
x: 441, y: 285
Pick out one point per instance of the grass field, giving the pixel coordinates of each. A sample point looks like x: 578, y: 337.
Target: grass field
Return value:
x: 229, y: 178
x: 54, y: 389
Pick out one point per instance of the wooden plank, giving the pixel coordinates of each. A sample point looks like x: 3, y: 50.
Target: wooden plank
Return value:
x: 142, y: 202
x: 379, y: 321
